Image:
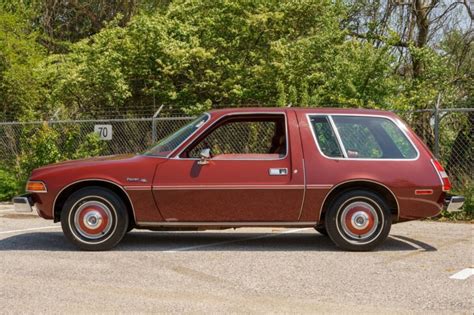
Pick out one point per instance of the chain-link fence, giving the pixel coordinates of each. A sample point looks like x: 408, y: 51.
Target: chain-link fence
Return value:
x: 447, y: 132
x: 120, y: 135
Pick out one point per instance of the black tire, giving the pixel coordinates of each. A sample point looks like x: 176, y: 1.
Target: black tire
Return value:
x: 321, y: 229
x: 94, y: 219
x: 358, y: 220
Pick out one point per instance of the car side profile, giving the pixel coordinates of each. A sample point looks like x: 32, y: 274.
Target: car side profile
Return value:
x: 349, y: 173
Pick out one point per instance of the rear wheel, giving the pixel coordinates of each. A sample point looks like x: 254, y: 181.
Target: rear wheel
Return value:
x: 358, y: 220
x: 94, y: 218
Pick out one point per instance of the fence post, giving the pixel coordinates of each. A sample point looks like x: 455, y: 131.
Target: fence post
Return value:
x: 153, y: 125
x: 436, y: 126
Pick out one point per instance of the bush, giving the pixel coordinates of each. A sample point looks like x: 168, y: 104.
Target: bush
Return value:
x: 9, y: 185
x: 91, y: 146
x: 48, y: 145
x: 42, y: 146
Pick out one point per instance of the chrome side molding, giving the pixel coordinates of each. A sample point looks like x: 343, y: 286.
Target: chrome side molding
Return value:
x: 230, y: 224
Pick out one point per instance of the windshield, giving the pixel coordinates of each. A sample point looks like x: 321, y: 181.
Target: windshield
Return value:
x: 166, y: 145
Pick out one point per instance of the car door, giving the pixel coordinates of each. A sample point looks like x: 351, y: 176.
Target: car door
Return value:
x: 251, y: 176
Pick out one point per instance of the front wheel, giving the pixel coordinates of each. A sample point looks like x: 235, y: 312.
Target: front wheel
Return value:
x: 94, y: 218
x: 358, y: 220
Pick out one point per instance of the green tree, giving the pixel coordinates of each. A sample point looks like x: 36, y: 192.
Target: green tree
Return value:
x: 223, y: 53
x: 20, y: 54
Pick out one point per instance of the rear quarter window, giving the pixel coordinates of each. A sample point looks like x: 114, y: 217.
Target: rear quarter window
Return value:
x: 361, y: 137
x: 357, y: 138
x: 326, y: 138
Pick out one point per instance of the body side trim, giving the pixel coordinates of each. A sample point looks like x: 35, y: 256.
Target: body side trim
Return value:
x: 226, y: 224
x: 224, y: 187
x: 319, y: 186
x: 137, y: 187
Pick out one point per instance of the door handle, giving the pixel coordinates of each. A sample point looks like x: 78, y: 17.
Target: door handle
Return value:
x: 278, y: 171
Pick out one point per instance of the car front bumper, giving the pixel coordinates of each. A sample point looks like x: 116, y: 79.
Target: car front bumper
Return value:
x: 23, y: 203
x: 453, y: 203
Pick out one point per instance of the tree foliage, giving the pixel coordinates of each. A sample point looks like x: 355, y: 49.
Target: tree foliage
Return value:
x: 90, y: 57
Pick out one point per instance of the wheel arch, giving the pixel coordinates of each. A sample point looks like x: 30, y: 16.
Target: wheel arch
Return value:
x: 364, y: 184
x: 66, y: 191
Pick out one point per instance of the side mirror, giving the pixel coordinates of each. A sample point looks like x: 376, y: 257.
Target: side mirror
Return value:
x: 205, y: 155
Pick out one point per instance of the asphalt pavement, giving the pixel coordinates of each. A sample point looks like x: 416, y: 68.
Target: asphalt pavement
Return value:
x: 423, y: 267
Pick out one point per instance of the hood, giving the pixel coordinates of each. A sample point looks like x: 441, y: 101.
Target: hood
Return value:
x: 88, y: 161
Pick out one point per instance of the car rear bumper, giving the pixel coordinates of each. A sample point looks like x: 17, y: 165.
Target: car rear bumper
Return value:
x: 453, y: 203
x: 23, y: 203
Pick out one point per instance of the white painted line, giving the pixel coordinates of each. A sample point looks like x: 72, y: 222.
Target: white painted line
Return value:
x: 32, y: 229
x: 463, y: 274
x: 182, y: 249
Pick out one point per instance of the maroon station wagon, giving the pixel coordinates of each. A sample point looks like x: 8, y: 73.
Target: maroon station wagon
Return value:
x: 350, y: 174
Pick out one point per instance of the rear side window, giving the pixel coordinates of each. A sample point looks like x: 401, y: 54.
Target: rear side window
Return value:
x: 364, y: 137
x: 401, y: 141
x: 325, y: 136
x: 357, y: 138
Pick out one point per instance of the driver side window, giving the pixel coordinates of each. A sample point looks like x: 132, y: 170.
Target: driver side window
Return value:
x: 244, y: 136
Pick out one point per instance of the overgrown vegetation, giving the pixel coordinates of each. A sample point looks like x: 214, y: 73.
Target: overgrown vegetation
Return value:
x: 39, y: 147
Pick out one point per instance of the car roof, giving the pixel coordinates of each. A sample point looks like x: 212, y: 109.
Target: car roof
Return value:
x: 306, y: 110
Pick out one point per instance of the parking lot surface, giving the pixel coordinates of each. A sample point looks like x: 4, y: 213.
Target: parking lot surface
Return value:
x: 238, y: 271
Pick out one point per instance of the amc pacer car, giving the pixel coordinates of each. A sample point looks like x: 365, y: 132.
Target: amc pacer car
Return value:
x: 350, y: 174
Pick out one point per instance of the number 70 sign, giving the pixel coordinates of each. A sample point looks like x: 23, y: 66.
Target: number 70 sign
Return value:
x: 104, y: 131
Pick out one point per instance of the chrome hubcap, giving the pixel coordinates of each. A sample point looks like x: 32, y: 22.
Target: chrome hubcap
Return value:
x: 93, y: 219
x: 359, y: 220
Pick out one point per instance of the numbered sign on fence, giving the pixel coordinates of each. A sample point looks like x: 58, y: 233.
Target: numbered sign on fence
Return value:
x: 104, y: 131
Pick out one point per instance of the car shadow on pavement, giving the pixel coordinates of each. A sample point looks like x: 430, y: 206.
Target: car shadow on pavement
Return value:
x: 206, y: 241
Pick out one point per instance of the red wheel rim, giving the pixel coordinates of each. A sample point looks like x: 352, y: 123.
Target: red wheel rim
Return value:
x: 359, y: 220
x: 93, y: 219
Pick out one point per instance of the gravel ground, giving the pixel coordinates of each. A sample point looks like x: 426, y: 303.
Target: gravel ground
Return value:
x: 243, y: 271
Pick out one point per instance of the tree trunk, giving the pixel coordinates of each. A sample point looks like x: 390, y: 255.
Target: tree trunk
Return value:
x: 422, y: 127
x: 460, y: 163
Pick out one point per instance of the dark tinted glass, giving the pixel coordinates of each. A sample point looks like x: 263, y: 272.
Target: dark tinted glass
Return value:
x: 325, y: 136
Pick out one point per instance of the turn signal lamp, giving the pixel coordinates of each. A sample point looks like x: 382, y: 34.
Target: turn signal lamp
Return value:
x: 36, y: 187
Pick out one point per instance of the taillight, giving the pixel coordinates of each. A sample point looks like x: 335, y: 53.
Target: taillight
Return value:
x: 442, y: 175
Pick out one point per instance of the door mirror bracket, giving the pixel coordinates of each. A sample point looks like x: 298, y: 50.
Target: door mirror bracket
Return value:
x: 205, y: 155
